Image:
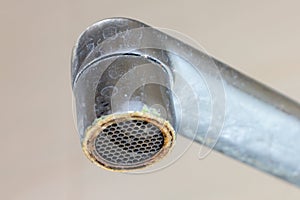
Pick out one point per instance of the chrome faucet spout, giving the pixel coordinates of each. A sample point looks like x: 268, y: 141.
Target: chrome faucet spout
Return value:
x: 136, y: 88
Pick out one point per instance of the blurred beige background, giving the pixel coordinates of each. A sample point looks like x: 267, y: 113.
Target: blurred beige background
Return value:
x: 41, y: 157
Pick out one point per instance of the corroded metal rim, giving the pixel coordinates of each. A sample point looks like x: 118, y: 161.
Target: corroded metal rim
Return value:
x: 88, y: 144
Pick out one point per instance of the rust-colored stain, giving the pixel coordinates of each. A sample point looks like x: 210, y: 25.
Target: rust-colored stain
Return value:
x: 88, y: 144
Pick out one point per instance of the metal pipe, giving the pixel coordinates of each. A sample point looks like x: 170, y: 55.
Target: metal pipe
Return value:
x: 196, y: 95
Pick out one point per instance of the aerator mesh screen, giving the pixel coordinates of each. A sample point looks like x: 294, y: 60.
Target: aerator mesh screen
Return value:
x: 129, y: 143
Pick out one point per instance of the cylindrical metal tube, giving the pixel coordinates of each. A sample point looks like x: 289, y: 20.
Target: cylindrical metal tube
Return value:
x: 233, y: 113
x: 125, y: 112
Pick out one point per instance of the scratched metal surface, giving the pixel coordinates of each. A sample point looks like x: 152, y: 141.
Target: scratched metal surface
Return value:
x: 237, y: 115
x: 41, y: 155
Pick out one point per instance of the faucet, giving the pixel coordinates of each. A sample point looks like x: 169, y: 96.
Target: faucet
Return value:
x: 137, y: 89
